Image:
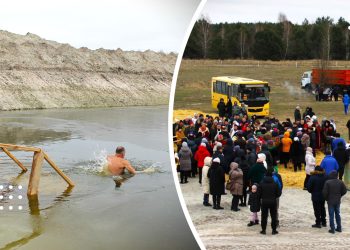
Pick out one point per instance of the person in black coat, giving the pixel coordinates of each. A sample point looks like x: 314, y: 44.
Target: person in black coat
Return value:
x: 315, y: 186
x: 228, y: 153
x: 251, y: 156
x: 297, y: 154
x: 216, y: 177
x: 221, y: 108
x: 254, y: 203
x: 268, y: 194
x: 342, y: 158
x: 219, y: 154
x: 297, y: 114
x: 229, y: 108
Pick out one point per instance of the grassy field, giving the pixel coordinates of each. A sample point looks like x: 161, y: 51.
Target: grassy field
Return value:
x: 193, y: 87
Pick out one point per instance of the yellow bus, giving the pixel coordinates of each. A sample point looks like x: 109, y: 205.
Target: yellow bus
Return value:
x: 253, y: 93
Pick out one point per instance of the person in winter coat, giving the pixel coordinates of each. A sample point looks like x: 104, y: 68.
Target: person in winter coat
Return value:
x: 333, y: 190
x: 236, y: 185
x: 310, y: 163
x: 185, y: 155
x: 277, y: 178
x: 297, y: 114
x: 228, y: 153
x: 315, y: 187
x: 329, y: 163
x: 220, y: 155
x: 243, y: 165
x: 268, y: 193
x: 221, y: 108
x: 342, y: 158
x: 205, y: 181
x: 296, y: 154
x: 216, y: 177
x: 286, y: 143
x: 348, y: 126
x: 193, y: 146
x: 229, y: 108
x: 251, y: 156
x: 346, y: 101
x: 200, y: 155
x: 258, y: 170
x: 269, y: 159
x: 254, y: 203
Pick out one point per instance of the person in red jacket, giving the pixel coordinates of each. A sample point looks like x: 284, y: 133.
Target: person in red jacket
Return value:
x: 199, y: 156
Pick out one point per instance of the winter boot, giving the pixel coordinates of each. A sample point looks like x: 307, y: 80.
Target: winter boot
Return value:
x: 206, y: 200
x: 218, y: 201
x: 251, y: 223
x: 257, y: 222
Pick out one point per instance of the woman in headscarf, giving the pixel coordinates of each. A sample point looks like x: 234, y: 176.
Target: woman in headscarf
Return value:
x: 216, y: 176
x: 236, y: 185
x: 205, y: 181
x: 185, y: 155
x: 310, y: 163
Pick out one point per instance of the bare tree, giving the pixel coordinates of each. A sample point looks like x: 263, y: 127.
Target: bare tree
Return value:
x: 282, y: 18
x: 242, y: 42
x: 204, y: 30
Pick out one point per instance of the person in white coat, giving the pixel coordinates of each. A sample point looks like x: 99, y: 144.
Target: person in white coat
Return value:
x: 310, y: 163
x: 205, y: 181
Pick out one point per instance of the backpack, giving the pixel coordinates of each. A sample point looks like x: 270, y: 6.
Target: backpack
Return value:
x: 277, y: 181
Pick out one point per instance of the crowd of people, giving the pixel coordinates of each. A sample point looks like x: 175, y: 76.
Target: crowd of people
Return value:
x: 235, y: 153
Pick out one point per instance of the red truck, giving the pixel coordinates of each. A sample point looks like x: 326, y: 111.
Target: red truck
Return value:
x: 327, y: 81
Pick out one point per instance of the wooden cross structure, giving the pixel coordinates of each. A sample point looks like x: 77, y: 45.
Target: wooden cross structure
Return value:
x: 38, y: 159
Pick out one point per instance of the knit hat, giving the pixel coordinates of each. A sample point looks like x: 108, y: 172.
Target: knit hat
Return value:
x: 217, y: 160
x: 184, y: 144
x: 203, y: 144
x: 204, y: 140
x: 296, y: 139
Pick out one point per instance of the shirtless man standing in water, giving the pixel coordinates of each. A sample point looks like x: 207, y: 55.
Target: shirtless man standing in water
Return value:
x: 117, y: 165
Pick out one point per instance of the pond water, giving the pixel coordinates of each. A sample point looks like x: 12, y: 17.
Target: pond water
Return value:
x: 144, y: 213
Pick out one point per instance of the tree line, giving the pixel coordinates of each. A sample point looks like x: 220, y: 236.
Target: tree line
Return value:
x: 324, y: 39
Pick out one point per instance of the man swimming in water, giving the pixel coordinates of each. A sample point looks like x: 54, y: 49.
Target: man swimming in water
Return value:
x: 117, y: 165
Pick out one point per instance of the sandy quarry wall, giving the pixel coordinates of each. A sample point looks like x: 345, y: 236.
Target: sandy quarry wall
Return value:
x: 37, y: 73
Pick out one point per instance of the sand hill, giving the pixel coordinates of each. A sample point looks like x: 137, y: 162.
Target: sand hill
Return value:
x: 37, y: 73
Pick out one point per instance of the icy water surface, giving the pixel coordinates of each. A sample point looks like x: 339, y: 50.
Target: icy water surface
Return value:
x: 143, y: 214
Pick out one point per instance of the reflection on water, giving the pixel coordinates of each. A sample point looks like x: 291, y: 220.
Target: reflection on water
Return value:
x: 36, y: 218
x: 26, y: 135
x: 94, y: 215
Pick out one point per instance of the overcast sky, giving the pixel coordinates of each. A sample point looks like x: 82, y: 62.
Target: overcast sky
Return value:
x: 126, y: 24
x: 268, y: 10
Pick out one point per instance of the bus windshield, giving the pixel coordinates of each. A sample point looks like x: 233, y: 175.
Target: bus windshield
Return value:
x: 253, y: 92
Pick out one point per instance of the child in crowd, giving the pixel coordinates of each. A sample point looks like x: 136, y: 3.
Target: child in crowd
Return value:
x: 254, y: 203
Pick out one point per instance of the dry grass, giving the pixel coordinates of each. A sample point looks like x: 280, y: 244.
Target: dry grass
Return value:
x: 193, y: 86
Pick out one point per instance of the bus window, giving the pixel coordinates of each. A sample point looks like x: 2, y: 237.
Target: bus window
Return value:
x: 253, y: 92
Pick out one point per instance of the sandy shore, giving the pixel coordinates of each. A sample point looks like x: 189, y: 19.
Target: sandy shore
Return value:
x: 225, y: 229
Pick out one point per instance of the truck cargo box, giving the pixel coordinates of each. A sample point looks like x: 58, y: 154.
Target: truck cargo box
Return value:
x: 331, y: 77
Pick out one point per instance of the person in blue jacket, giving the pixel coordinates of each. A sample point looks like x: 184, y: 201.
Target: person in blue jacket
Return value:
x: 346, y: 101
x: 329, y: 163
